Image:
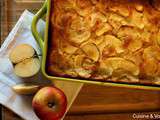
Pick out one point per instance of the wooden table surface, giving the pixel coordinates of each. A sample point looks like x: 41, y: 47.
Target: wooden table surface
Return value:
x: 93, y: 102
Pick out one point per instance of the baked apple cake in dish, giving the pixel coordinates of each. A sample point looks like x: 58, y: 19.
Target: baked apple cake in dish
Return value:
x: 105, y: 40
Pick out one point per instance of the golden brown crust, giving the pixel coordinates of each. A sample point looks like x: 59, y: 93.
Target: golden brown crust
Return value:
x: 105, y: 39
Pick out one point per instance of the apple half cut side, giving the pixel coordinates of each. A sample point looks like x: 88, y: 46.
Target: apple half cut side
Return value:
x: 49, y: 103
x: 21, y: 52
x: 25, y: 60
x: 27, y: 68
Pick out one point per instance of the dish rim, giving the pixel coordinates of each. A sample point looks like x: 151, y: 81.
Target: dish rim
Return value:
x: 46, y: 9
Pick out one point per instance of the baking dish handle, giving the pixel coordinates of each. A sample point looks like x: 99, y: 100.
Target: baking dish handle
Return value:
x: 35, y: 20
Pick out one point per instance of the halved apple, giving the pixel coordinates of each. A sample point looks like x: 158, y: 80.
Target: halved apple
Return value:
x: 27, y: 68
x: 91, y: 50
x: 25, y: 60
x: 117, y: 63
x: 21, y: 52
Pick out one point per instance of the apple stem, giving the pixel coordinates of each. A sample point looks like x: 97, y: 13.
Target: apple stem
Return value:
x: 51, y: 105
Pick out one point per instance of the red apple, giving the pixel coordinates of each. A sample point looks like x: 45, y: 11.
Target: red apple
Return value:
x: 49, y: 103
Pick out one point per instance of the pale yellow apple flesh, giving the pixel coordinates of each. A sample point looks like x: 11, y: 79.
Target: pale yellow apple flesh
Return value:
x: 26, y: 89
x: 25, y: 60
x: 21, y: 52
x: 27, y: 68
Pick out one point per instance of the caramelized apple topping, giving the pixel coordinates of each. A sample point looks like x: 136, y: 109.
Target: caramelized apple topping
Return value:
x: 106, y: 39
x: 117, y: 63
x: 91, y: 51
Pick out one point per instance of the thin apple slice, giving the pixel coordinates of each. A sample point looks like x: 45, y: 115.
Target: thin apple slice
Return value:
x: 114, y: 42
x: 139, y: 7
x: 101, y: 46
x: 84, y: 7
x: 21, y: 52
x: 146, y: 36
x: 99, y: 40
x: 95, y: 40
x: 91, y: 51
x: 133, y: 44
x: 128, y: 31
x: 78, y: 31
x: 110, y: 46
x: 117, y: 63
x: 66, y: 47
x: 27, y: 68
x: 84, y: 12
x: 103, y: 28
x: 78, y: 23
x: 152, y: 52
x: 150, y: 67
x: 135, y: 57
x: 96, y: 17
x: 104, y: 71
x: 121, y: 9
x: 64, y: 5
x: 77, y: 37
x: 78, y: 64
x: 109, y: 51
x: 116, y: 21
x: 26, y: 89
x: 94, y: 1
x: 137, y: 19
x: 131, y: 38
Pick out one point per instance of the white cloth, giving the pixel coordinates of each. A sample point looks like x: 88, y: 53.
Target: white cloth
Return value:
x: 21, y: 33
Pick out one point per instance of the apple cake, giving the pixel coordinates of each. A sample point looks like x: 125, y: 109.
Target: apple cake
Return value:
x: 105, y: 40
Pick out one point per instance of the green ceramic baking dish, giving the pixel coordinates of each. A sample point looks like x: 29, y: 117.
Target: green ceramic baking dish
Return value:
x: 45, y: 10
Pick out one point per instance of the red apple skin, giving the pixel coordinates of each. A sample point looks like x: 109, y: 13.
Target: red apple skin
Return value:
x: 44, y: 97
